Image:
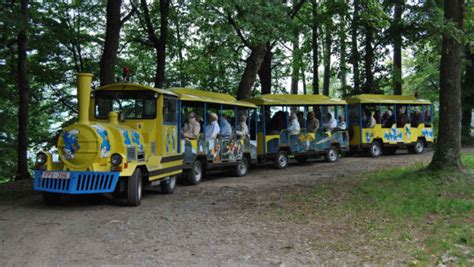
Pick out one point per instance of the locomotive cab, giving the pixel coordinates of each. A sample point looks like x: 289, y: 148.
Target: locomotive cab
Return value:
x: 126, y: 139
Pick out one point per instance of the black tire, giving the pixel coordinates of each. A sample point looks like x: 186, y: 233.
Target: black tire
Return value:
x: 375, y: 149
x: 195, y: 174
x: 242, y: 168
x: 332, y: 155
x: 390, y: 150
x: 281, y: 160
x: 418, y: 148
x: 135, y: 188
x: 51, y: 199
x: 168, y: 186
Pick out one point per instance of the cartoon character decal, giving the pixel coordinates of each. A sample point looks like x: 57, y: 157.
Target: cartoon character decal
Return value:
x: 394, y: 135
x: 126, y: 137
x: 71, y: 145
x: 428, y: 133
x: 408, y: 132
x: 136, y: 140
x: 105, y: 144
x: 369, y: 136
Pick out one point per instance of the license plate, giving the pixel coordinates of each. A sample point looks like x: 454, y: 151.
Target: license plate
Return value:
x: 56, y: 175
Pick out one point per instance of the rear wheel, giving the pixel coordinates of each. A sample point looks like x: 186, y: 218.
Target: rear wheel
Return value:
x: 51, y: 198
x: 375, y: 149
x: 135, y: 188
x: 418, y: 148
x: 281, y: 160
x: 332, y: 154
x: 242, y: 168
x: 168, y: 186
x: 194, y: 176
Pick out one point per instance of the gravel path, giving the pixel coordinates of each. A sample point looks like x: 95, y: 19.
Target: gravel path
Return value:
x: 222, y: 221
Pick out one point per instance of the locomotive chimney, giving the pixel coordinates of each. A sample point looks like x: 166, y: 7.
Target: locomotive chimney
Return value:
x: 84, y: 81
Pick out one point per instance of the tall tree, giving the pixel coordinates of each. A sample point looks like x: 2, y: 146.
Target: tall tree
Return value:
x: 23, y: 92
x: 355, y: 55
x: 108, y: 59
x: 368, y: 86
x: 327, y: 58
x: 314, y: 45
x: 468, y: 94
x: 158, y: 42
x: 448, y: 148
x: 397, y: 46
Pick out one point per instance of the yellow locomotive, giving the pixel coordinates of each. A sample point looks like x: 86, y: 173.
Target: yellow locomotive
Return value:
x: 126, y: 138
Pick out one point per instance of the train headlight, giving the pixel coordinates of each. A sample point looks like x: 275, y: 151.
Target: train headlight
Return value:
x: 41, y: 158
x: 116, y: 159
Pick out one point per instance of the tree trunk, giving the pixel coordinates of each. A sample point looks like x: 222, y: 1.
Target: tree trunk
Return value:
x: 327, y: 61
x: 295, y: 69
x: 468, y: 95
x: 369, y: 60
x: 108, y: 60
x: 343, y: 55
x: 448, y: 147
x: 265, y: 72
x: 355, y: 57
x: 161, y: 49
x: 314, y: 46
x: 23, y: 88
x: 397, y: 47
x: 251, y: 69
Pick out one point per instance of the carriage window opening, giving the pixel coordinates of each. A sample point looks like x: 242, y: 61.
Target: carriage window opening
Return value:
x: 170, y: 110
x: 132, y: 104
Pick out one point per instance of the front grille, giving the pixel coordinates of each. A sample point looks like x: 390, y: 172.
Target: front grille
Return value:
x: 78, y: 183
x: 131, y: 153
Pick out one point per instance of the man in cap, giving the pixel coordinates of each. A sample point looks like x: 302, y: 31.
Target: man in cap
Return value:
x: 191, y: 127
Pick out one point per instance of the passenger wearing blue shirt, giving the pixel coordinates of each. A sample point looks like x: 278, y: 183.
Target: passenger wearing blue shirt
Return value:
x: 226, y: 129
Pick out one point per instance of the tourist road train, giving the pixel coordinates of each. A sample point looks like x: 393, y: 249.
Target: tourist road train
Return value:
x: 129, y: 136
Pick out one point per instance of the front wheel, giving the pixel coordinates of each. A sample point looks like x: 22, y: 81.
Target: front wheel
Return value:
x: 242, y: 167
x: 51, y: 198
x: 135, y: 188
x: 281, y: 160
x: 375, y: 149
x: 168, y: 186
x: 332, y: 154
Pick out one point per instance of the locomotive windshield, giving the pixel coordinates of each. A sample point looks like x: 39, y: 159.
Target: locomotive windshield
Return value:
x: 131, y: 104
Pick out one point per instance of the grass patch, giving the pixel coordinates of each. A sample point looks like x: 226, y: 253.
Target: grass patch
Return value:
x: 426, y: 216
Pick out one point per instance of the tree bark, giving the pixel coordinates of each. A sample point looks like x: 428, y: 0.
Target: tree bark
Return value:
x: 108, y: 60
x: 295, y: 69
x: 23, y: 92
x: 397, y: 47
x: 355, y: 57
x: 265, y: 71
x: 252, y: 67
x: 314, y: 46
x: 343, y: 55
x: 369, y: 60
x: 327, y: 61
x: 468, y: 95
x: 448, y: 147
x: 159, y: 43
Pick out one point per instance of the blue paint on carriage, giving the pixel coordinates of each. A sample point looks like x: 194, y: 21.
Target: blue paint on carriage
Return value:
x: 78, y: 182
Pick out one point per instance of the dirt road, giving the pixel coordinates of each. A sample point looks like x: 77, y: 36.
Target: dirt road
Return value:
x: 222, y: 221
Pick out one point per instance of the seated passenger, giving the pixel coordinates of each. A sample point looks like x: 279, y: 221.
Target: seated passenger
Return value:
x: 401, y: 118
x: 427, y: 118
x: 369, y: 120
x: 294, y: 127
x: 416, y: 118
x: 377, y: 117
x: 387, y: 119
x: 277, y: 122
x: 191, y: 127
x: 212, y: 128
x: 342, y: 123
x: 226, y: 129
x: 242, y: 128
x: 313, y: 123
x: 329, y: 123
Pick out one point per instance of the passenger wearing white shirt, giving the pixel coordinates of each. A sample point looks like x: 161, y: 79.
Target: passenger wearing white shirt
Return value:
x: 342, y: 123
x: 294, y: 127
x: 212, y: 128
x: 330, y: 123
